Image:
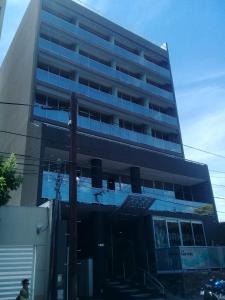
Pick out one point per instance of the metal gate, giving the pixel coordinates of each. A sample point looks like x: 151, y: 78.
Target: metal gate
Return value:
x: 16, y: 263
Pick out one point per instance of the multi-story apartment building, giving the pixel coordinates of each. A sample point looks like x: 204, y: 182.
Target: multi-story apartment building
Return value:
x: 2, y: 10
x: 142, y: 205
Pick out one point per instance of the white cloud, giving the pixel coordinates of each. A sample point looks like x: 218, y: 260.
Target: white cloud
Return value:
x: 201, y: 79
x: 202, y: 115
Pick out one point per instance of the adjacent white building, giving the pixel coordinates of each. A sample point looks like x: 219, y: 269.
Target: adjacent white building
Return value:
x: 2, y: 11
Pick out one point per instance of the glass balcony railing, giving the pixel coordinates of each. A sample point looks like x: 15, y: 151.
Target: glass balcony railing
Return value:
x: 123, y: 133
x: 96, y: 126
x: 189, y: 258
x: 85, y: 193
x: 87, y: 63
x: 163, y: 200
x: 92, y: 39
x: 43, y: 111
x: 102, y: 97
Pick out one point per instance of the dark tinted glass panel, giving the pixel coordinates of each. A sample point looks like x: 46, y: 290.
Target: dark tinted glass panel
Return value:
x: 106, y: 119
x: 187, y: 193
x: 44, y: 36
x: 159, y: 185
x: 187, y: 234
x: 168, y: 186
x: 41, y: 99
x: 83, y: 53
x: 126, y: 47
x: 64, y: 74
x: 174, y: 234
x: 138, y: 128
x: 64, y: 105
x: 111, y: 183
x: 83, y: 81
x: 105, y: 89
x: 91, y: 30
x: 198, y: 234
x: 43, y: 66
x: 95, y: 116
x: 127, y: 125
x: 83, y: 112
x: 137, y: 101
x: 52, y: 102
x: 161, y: 240
x: 178, y: 191
x: 149, y: 183
x: 93, y: 85
x: 53, y: 70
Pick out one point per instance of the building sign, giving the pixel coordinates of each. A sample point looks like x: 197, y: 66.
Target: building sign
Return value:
x: 194, y: 258
x: 202, y: 257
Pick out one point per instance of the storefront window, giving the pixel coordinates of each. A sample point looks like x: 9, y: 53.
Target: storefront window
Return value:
x: 187, y: 234
x: 174, y: 234
x: 161, y: 240
x: 198, y: 234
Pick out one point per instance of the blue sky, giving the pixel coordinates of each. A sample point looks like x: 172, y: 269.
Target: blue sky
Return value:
x: 194, y: 31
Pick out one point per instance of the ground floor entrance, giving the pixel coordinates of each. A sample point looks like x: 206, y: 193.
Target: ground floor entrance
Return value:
x: 118, y: 245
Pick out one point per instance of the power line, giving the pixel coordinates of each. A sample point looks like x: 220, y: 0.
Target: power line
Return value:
x: 17, y: 103
x: 204, y: 151
x: 34, y: 105
x: 28, y: 136
x: 34, y: 158
x: 217, y: 171
x: 161, y: 200
x: 29, y: 157
x: 23, y: 156
x: 188, y: 146
x: 219, y: 197
x: 220, y: 185
x: 220, y: 177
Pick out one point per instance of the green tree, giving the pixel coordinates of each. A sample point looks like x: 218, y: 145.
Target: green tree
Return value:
x: 9, y: 181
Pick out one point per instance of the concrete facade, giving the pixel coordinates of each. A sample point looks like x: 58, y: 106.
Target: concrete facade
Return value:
x: 2, y: 11
x: 16, y: 81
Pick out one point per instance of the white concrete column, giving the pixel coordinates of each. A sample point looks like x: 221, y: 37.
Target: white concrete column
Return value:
x: 116, y: 120
x: 114, y: 91
x: 75, y: 76
x: 148, y: 130
x: 76, y: 48
x: 143, y: 77
x: 141, y: 53
x: 113, y: 64
x: 146, y: 103
x: 76, y: 22
x: 112, y: 39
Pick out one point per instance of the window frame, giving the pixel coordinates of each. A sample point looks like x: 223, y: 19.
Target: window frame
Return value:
x: 179, y: 221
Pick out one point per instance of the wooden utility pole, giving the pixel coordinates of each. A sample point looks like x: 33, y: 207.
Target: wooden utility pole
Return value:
x: 72, y: 223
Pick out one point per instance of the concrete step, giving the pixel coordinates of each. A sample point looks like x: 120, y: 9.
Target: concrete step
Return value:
x: 134, y: 291
x: 141, y: 296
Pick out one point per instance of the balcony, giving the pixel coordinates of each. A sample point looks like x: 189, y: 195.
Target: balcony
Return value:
x: 125, y: 134
x: 98, y: 42
x: 189, y: 258
x: 96, y: 126
x: 101, y: 69
x: 86, y: 194
x: 101, y: 97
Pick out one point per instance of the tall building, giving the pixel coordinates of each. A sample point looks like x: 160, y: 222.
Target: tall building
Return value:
x: 2, y: 10
x: 143, y: 207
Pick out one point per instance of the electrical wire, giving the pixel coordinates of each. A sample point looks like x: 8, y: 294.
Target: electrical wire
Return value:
x: 188, y: 146
x: 205, y: 151
x: 161, y: 200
